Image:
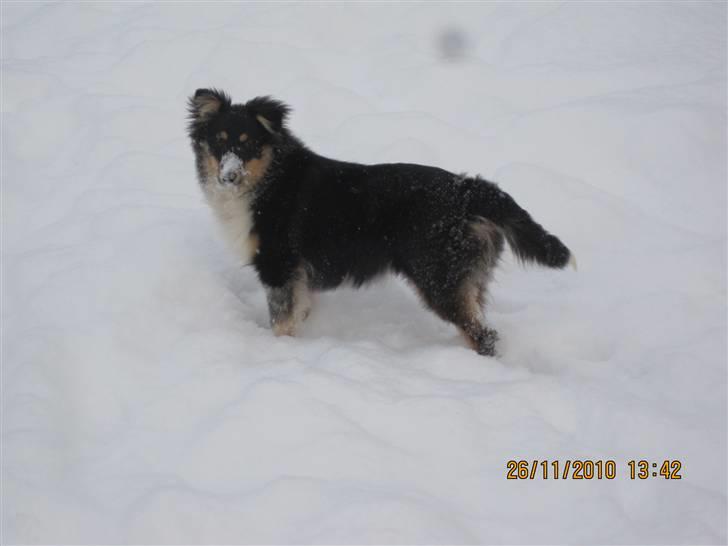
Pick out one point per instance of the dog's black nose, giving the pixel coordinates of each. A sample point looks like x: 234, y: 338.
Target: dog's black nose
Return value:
x: 229, y: 178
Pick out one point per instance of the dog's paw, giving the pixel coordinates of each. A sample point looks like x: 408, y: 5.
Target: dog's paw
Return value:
x: 284, y: 328
x: 486, y: 342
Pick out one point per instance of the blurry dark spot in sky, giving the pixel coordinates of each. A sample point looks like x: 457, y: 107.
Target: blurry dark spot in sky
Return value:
x: 452, y: 44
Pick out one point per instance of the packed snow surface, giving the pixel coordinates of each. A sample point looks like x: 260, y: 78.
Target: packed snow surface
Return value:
x: 144, y: 398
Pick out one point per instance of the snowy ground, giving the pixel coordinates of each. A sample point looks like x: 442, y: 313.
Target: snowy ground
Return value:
x: 144, y: 398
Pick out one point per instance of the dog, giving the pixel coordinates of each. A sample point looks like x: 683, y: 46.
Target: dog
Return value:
x: 309, y: 223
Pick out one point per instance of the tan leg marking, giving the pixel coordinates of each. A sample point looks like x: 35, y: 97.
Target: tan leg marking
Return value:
x: 286, y: 323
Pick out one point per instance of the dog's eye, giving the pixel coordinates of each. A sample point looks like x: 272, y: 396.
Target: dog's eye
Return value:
x: 243, y: 137
x: 221, y: 136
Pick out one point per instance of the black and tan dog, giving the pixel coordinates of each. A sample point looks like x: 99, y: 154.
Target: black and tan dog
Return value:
x: 310, y: 223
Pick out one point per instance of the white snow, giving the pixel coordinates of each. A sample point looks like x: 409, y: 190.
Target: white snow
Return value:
x: 144, y: 398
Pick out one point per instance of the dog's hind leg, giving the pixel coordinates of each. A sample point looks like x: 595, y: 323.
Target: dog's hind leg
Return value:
x: 464, y: 308
x: 457, y: 293
x: 290, y: 304
x: 470, y: 318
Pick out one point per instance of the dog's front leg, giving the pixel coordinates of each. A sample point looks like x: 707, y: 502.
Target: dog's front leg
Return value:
x: 289, y: 304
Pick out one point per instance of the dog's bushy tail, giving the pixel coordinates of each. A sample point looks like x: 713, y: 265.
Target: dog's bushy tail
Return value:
x: 529, y: 241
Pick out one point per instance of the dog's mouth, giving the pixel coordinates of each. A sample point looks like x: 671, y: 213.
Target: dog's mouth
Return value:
x: 232, y: 170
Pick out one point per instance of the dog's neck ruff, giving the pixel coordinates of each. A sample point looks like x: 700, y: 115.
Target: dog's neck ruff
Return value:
x: 232, y: 207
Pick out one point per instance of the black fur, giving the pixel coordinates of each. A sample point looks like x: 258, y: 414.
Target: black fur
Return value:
x: 320, y: 222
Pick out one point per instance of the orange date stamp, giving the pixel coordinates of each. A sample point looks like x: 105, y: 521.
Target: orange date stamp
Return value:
x: 587, y: 469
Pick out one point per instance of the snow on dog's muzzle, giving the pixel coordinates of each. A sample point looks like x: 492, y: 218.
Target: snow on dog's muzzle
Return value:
x: 232, y: 169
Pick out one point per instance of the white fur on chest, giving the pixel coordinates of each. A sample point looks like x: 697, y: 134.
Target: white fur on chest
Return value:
x: 232, y: 208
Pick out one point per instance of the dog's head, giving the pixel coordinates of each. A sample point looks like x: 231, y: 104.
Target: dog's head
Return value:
x: 235, y: 140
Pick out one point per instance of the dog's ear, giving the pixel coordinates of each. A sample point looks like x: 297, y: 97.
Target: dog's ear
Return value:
x: 206, y: 103
x: 269, y: 112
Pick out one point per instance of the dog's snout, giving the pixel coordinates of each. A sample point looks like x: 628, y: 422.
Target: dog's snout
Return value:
x: 230, y: 168
x: 229, y: 177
